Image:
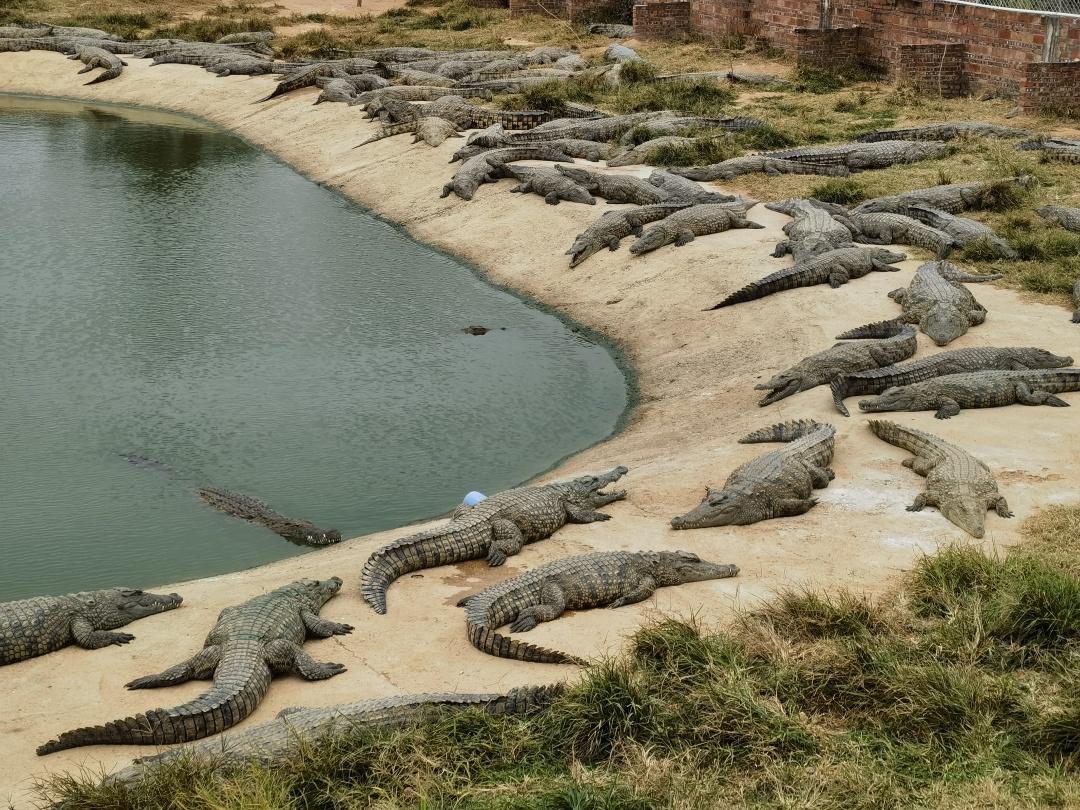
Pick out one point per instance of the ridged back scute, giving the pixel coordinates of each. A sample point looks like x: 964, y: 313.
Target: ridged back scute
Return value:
x: 787, y: 431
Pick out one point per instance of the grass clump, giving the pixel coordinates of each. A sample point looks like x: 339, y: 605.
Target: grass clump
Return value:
x: 702, y: 152
x: 209, y: 29
x: 637, y: 72
x: 693, y: 97
x: 815, y: 80
x: 840, y: 190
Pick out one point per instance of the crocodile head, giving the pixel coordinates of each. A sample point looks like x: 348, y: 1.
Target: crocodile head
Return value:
x: 943, y: 324
x: 678, y: 567
x: 887, y: 256
x: 897, y: 398
x: 316, y: 592
x: 1041, y: 358
x: 650, y: 240
x: 782, y: 385
x: 968, y: 513
x: 116, y: 607
x: 588, y: 490
x: 718, y: 508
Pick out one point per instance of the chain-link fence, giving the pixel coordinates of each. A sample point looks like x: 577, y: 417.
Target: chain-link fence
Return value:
x: 1056, y: 6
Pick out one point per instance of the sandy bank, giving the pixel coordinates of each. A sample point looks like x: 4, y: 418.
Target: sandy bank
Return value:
x: 696, y: 371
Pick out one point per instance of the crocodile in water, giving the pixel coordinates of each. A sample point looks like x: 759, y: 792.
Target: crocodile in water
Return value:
x: 258, y: 511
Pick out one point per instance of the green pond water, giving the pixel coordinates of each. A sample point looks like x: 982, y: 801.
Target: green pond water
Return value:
x: 169, y: 291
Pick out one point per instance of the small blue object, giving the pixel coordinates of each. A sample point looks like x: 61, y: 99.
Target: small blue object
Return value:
x: 473, y: 498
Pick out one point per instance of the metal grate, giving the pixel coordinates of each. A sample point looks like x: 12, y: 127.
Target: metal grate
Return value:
x: 1066, y: 7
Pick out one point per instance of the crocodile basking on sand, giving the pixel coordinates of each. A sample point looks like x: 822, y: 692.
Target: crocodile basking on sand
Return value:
x: 862, y: 156
x: 1067, y: 218
x: 948, y: 395
x: 614, y: 226
x: 249, y: 643
x: 834, y: 267
x: 682, y: 227
x: 963, y: 231
x: 958, y: 484
x: 680, y: 188
x: 44, y: 624
x: 602, y: 579
x: 99, y: 58
x: 616, y: 188
x: 811, y: 232
x: 873, y: 346
x: 549, y: 184
x: 939, y: 303
x: 496, y: 528
x: 777, y: 484
x: 897, y: 229
x: 952, y: 198
x: 258, y: 511
x: 595, y: 129
x: 758, y: 164
x: 957, y: 361
x: 488, y: 167
x: 293, y: 729
x: 945, y: 131
x: 430, y: 129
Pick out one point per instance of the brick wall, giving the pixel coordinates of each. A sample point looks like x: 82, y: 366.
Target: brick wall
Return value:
x: 828, y: 48
x: 1051, y: 85
x: 654, y: 20
x: 935, y: 68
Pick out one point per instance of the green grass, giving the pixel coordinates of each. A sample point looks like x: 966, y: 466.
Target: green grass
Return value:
x: 841, y: 190
x: 956, y: 690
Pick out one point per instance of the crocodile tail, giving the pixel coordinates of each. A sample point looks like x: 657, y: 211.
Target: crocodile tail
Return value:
x: 399, y: 558
x: 389, y: 132
x: 878, y: 329
x: 487, y: 640
x: 839, y: 391
x: 526, y: 699
x: 784, y: 431
x: 910, y: 439
x: 210, y: 713
x: 773, y: 283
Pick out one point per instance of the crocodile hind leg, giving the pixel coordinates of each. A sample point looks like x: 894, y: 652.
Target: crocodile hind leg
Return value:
x: 322, y: 628
x: 782, y: 249
x: 507, y: 542
x: 821, y: 476
x: 838, y: 277
x: 920, y: 465
x: 284, y: 656
x: 90, y: 639
x: 645, y: 588
x: 922, y: 500
x: 199, y: 667
x: 552, y: 604
x: 1029, y: 396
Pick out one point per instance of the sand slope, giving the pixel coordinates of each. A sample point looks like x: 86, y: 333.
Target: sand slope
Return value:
x: 696, y: 370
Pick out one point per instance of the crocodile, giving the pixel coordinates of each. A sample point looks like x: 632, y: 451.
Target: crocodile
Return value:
x: 616, y: 188
x: 360, y: 82
x: 611, y: 30
x: 614, y: 226
x: 683, y: 226
x: 276, y: 742
x: 495, y: 528
x: 939, y: 303
x: 952, y: 198
x: 763, y: 164
x: 793, y: 205
x: 958, y: 484
x: 1060, y: 151
x: 945, y: 131
x: 250, y: 642
x: 777, y: 484
x: 487, y: 167
x: 836, y: 267
x: 957, y: 361
x: 306, y: 76
x: 665, y: 124
x: 22, y: 44
x: 407, y: 76
x: 948, y: 395
x: 94, y: 58
x: 223, y: 64
x: 898, y: 229
x: 371, y: 99
x: 17, y: 32
x: 335, y: 90
x: 592, y: 129
x: 1067, y: 218
x: 860, y: 156
x: 963, y: 231
x: 574, y: 147
x: 44, y: 624
x: 873, y: 346
x: 811, y: 232
x: 1049, y: 143
x: 258, y: 511
x: 684, y: 189
x: 549, y: 184
x: 546, y: 54
x: 507, y: 84
x: 430, y: 129
x: 602, y: 579
x: 245, y: 37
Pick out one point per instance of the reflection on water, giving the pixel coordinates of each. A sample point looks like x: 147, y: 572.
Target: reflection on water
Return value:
x: 167, y: 290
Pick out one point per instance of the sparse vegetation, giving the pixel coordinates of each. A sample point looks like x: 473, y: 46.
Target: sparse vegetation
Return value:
x: 841, y: 190
x: 956, y: 690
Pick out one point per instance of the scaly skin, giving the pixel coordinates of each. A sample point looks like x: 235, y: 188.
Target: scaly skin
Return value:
x: 963, y: 231
x: 978, y: 389
x: 245, y: 38
x: 98, y: 58
x: 432, y: 130
x: 794, y: 205
x: 897, y: 229
x: 616, y: 188
x: 407, y: 76
x: 337, y: 68
x: 252, y: 509
x: 684, y: 226
x: 335, y: 90
x: 612, y: 31
x: 487, y: 167
x: 248, y: 644
x: 939, y: 303
x: 614, y: 226
x: 276, y: 742
x: 958, y: 484
x: 811, y: 232
x: 496, y: 528
x: 667, y: 124
x: 877, y: 381
x: 683, y: 189
x: 22, y: 44
x: 549, y: 184
x: 598, y: 129
x: 602, y: 579
x: 751, y: 164
x: 858, y: 156
x: 835, y: 267
x: 16, y: 32
x: 876, y: 345
x: 952, y: 198
x: 44, y: 624
x: 1067, y: 218
x: 945, y: 131
x: 777, y: 484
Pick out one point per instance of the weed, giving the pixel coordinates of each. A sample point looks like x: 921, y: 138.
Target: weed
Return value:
x: 841, y: 190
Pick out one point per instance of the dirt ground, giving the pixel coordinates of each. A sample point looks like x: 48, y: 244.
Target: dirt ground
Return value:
x: 696, y: 370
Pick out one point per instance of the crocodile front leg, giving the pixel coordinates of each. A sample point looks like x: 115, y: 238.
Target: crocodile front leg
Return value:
x: 947, y: 408
x: 820, y: 476
x: 645, y: 588
x: 284, y: 656
x: 582, y: 514
x: 200, y: 666
x: 782, y: 249
x: 507, y: 541
x: 90, y: 639
x: 1001, y: 506
x: 922, y: 500
x: 323, y: 628
x: 552, y: 604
